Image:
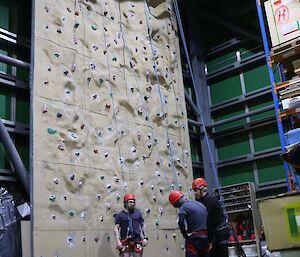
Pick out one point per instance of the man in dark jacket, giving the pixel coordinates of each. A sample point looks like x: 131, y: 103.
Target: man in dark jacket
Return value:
x: 192, y: 223
x: 218, y: 229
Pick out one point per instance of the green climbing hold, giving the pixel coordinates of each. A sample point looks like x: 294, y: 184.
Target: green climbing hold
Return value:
x: 101, y: 81
x: 94, y: 27
x: 112, y: 18
x: 51, y: 131
x: 56, y: 55
x: 157, y: 222
x: 71, y: 213
x: 114, y: 59
x: 110, y: 94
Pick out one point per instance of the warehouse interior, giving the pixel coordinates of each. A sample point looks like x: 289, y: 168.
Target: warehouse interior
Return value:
x: 240, y: 90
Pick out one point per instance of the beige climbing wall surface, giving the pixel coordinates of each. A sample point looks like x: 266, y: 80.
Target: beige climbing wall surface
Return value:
x: 109, y: 117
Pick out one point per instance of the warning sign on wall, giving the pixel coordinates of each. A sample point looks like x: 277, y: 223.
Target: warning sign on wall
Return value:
x: 283, y: 20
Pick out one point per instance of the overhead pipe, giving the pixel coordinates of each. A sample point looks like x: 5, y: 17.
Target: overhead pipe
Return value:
x: 14, y: 61
x: 15, y: 158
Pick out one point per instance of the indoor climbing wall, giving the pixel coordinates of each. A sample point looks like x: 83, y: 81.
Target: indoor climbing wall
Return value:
x: 109, y: 118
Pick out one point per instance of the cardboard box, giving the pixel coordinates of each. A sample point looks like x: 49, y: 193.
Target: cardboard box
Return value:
x: 283, y: 20
x: 281, y: 220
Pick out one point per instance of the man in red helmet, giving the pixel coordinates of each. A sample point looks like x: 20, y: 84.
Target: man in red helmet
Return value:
x: 130, y: 229
x: 217, y: 225
x: 194, y: 215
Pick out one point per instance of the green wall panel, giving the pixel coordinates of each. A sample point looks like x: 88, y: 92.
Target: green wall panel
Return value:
x: 22, y: 108
x: 4, y: 103
x: 4, y: 14
x: 22, y: 145
x: 248, y: 51
x: 194, y: 150
x: 225, y: 89
x: 256, y: 78
x: 221, y: 62
x: 228, y: 113
x: 270, y: 169
x: 236, y: 174
x: 4, y: 164
x: 232, y: 146
x: 260, y: 103
x: 265, y: 137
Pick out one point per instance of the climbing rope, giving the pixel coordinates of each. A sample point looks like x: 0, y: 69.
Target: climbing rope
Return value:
x: 160, y: 96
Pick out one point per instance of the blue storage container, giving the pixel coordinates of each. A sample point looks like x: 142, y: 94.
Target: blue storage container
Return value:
x: 292, y: 136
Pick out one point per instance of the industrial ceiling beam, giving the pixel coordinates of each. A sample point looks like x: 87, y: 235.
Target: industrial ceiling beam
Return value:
x: 228, y: 25
x: 222, y: 22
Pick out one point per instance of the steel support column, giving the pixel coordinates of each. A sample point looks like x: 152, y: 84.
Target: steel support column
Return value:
x: 15, y: 158
x: 197, y: 66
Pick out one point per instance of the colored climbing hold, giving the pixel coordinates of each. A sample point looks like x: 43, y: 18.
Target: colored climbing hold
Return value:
x: 61, y: 147
x: 73, y: 67
x: 148, y: 210
x: 157, y: 222
x: 45, y: 108
x: 108, y: 206
x: 114, y: 59
x: 94, y: 27
x: 52, y: 198
x: 51, y: 131
x: 161, y: 210
x: 83, y: 215
x: 76, y: 25
x: 112, y: 18
x: 71, y: 213
x: 118, y: 197
x: 174, y: 235
x: 56, y: 55
x: 59, y: 115
x: 72, y: 176
x: 55, y: 181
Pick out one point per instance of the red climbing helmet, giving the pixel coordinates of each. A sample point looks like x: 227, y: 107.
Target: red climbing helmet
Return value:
x: 174, y: 196
x: 198, y: 182
x: 129, y: 197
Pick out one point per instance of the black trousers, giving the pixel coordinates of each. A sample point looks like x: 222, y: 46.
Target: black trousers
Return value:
x: 220, y: 244
x: 219, y: 250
